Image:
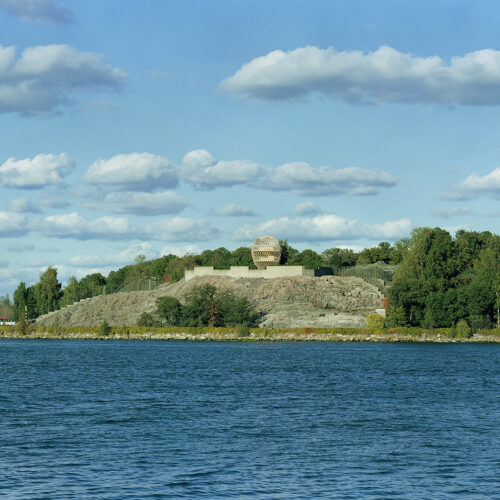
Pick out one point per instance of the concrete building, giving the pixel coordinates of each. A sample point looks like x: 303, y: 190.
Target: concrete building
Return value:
x: 246, y: 272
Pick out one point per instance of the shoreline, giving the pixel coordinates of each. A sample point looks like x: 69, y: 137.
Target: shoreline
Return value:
x: 283, y: 336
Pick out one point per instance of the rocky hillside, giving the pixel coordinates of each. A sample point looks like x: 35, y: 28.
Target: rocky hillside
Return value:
x: 329, y: 301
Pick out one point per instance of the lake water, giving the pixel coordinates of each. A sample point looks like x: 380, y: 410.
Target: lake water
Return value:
x: 131, y: 419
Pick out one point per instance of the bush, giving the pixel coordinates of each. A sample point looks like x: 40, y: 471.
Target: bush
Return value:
x: 170, y: 309
x: 146, y: 319
x: 395, y: 317
x: 23, y: 326
x: 463, y: 330
x: 105, y: 329
x: 374, y: 322
x: 207, y: 306
x: 55, y: 329
x: 242, y: 331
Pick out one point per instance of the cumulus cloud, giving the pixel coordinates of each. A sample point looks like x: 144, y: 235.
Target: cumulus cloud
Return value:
x: 325, y: 228
x: 383, y: 76
x: 307, y: 208
x: 180, y: 251
x: 200, y: 169
x: 233, y: 210
x: 23, y: 205
x: 13, y: 224
x: 73, y: 225
x: 37, y: 172
x: 133, y: 172
x: 307, y: 180
x: 142, y: 203
x: 55, y: 202
x: 181, y: 229
x: 38, y: 11
x: 448, y: 213
x: 475, y: 186
x: 40, y: 79
x: 124, y: 257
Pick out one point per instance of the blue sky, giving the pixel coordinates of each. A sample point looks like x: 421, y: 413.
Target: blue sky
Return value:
x: 153, y: 127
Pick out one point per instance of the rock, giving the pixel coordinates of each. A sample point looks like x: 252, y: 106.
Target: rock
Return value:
x: 296, y: 302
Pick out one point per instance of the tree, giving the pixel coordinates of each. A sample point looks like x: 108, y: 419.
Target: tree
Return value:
x: 170, y: 309
x: 91, y: 285
x: 242, y: 256
x: 71, y: 292
x: 47, y: 291
x: 309, y: 259
x: 20, y: 301
x: 336, y: 258
x: 288, y: 253
x: 202, y: 307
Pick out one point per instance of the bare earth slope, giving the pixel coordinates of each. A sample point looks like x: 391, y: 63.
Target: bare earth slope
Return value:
x: 329, y: 301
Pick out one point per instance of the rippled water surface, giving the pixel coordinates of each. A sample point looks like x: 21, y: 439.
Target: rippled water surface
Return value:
x: 126, y: 419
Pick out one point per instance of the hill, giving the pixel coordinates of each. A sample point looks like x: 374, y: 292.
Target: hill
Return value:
x: 329, y: 301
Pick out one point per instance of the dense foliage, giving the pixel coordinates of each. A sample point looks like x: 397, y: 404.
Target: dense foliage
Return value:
x: 442, y: 280
x: 205, y: 305
x: 439, y: 280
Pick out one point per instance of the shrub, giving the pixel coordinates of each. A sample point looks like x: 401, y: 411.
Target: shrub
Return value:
x: 23, y: 326
x: 395, y: 317
x: 147, y: 319
x: 242, y: 330
x: 105, y: 329
x: 55, y: 329
x: 170, y: 309
x: 207, y: 306
x: 463, y: 330
x: 374, y: 322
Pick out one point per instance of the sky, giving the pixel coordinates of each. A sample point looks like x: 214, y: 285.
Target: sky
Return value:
x: 158, y: 126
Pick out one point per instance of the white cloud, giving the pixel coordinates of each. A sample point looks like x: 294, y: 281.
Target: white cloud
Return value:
x: 39, y: 81
x: 180, y: 251
x: 475, y: 186
x: 307, y: 208
x: 447, y: 213
x: 181, y: 229
x: 200, y: 169
x: 12, y: 224
x: 133, y: 172
x: 23, y: 205
x: 233, y: 210
x: 307, y: 180
x: 38, y: 11
x: 324, y: 228
x: 124, y: 257
x: 75, y: 226
x: 383, y: 76
x: 30, y: 173
x: 142, y: 203
x: 55, y: 202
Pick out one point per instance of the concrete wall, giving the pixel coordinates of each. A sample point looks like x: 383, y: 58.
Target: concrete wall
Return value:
x: 246, y: 272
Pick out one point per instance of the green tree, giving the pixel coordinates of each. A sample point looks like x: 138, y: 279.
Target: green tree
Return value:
x: 20, y: 301
x: 71, y: 292
x: 47, y: 291
x: 170, y: 309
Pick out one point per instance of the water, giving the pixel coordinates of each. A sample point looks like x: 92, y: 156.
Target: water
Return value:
x: 126, y: 420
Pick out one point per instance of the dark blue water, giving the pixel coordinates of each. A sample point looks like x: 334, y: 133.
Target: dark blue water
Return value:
x: 122, y: 420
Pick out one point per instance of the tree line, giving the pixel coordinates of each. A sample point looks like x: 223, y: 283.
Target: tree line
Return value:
x: 439, y: 279
x: 49, y: 295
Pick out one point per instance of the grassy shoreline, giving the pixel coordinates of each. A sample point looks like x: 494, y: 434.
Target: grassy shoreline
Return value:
x: 253, y: 334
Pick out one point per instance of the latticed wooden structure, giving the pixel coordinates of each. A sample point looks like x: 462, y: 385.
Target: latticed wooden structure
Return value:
x: 266, y: 251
